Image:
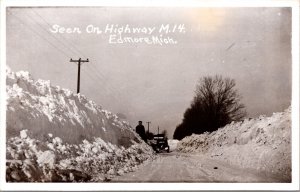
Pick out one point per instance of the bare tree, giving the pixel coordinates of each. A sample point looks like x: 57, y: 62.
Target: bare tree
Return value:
x: 218, y: 97
x: 215, y: 104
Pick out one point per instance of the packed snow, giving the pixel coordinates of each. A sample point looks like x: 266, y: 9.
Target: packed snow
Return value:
x: 54, y: 134
x: 262, y: 144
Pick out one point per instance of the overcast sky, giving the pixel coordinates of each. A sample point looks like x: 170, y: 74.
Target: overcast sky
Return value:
x: 156, y: 82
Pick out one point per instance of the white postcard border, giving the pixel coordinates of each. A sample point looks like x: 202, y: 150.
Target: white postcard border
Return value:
x: 156, y: 186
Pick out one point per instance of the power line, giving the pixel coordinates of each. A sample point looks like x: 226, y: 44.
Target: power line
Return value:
x: 94, y: 78
x: 81, y: 53
x: 32, y: 30
x: 72, y: 46
x: 97, y: 72
x: 52, y: 35
x: 112, y: 88
x: 105, y: 88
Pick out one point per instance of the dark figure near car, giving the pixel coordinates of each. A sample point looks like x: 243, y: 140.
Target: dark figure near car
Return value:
x: 140, y: 129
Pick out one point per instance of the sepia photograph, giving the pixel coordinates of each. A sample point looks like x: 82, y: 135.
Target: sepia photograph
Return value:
x: 127, y: 94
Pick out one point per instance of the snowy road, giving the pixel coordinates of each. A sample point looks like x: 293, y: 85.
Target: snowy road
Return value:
x: 178, y: 167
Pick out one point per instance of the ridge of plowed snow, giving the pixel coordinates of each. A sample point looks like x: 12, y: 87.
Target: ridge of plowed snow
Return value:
x: 56, y: 135
x: 42, y: 109
x: 263, y: 144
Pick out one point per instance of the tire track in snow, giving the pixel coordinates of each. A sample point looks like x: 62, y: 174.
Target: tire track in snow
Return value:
x: 179, y: 167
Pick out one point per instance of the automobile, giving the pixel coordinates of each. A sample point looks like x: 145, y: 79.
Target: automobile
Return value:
x: 159, y: 143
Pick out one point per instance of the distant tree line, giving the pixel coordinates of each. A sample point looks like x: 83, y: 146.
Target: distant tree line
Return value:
x: 216, y: 103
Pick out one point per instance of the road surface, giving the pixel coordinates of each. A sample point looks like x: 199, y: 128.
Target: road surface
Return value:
x: 179, y: 167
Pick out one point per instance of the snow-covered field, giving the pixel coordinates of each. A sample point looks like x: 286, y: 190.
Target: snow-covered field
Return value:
x: 56, y: 135
x: 263, y: 144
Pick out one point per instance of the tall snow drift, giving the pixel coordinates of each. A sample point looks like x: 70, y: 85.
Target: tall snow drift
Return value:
x: 263, y: 144
x: 56, y: 135
x: 42, y: 109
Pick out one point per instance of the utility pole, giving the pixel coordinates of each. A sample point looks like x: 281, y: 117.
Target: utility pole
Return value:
x: 148, y: 126
x: 79, y: 61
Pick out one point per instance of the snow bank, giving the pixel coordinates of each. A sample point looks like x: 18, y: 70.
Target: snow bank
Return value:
x: 263, y: 144
x: 42, y: 109
x: 31, y: 160
x: 56, y: 135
